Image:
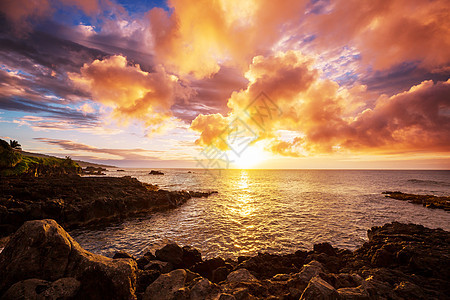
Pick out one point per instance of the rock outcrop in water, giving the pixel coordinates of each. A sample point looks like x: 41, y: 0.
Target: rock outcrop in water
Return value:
x: 429, y: 201
x: 74, y: 200
x: 89, y: 170
x: 398, y: 262
x: 153, y: 172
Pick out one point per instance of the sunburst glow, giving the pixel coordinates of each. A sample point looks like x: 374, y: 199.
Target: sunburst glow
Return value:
x: 251, y: 157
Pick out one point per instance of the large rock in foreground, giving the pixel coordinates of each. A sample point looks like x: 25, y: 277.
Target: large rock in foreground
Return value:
x: 42, y: 250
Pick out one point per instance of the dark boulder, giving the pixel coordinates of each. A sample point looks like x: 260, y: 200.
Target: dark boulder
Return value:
x: 191, y: 256
x: 122, y: 254
x: 220, y: 274
x: 207, y: 267
x: 325, y: 248
x: 145, y: 259
x: 383, y: 258
x: 64, y: 288
x: 43, y: 250
x: 170, y: 253
x: 265, y: 266
x: 153, y: 172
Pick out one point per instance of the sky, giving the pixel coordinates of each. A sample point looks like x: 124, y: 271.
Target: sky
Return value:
x: 229, y: 84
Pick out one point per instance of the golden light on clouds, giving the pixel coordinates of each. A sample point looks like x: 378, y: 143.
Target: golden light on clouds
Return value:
x: 343, y: 77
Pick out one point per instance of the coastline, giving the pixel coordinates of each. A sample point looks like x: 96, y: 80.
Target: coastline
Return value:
x: 429, y: 201
x: 400, y: 261
x: 75, y: 201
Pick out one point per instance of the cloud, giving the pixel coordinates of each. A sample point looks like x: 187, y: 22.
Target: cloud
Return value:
x: 211, y: 94
x: 386, y: 33
x: 199, y: 39
x: 132, y: 93
x: 55, y: 123
x: 329, y: 118
x: 414, y: 120
x: 123, y: 154
x: 22, y: 13
x: 210, y: 126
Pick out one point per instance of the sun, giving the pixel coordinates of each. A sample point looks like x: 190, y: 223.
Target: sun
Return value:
x: 250, y: 157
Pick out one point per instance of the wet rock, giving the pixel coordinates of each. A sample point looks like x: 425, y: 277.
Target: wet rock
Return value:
x: 330, y: 263
x: 145, y: 259
x: 342, y: 280
x: 382, y: 258
x: 204, y: 290
x: 190, y: 257
x: 240, y: 275
x: 191, y: 276
x: 242, y: 258
x: 89, y: 170
x: 26, y: 289
x: 429, y: 201
x: 145, y: 278
x: 300, y: 280
x: 319, y: 289
x: 356, y: 293
x: 122, y: 254
x: 325, y: 248
x: 171, y: 253
x: 225, y: 296
x: 408, y: 290
x: 265, y: 266
x: 154, y: 172
x: 41, y: 255
x: 165, y: 287
x: 182, y: 294
x: 64, y: 288
x: 241, y: 293
x: 43, y: 250
x: 281, y: 277
x: 160, y: 266
x: 75, y: 201
x: 207, y: 267
x: 220, y: 274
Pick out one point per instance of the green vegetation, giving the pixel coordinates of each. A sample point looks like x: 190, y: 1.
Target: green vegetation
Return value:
x: 15, y: 145
x: 9, y: 157
x: 14, y: 163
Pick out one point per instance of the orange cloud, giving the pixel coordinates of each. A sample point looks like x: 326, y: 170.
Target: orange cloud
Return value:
x: 328, y: 118
x: 129, y: 91
x: 387, y: 32
x: 197, y: 39
x: 416, y: 120
x: 210, y: 126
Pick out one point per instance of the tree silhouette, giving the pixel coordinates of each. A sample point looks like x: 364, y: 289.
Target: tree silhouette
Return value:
x: 15, y: 145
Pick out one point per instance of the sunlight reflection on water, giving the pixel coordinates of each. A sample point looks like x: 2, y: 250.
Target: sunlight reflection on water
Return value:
x: 278, y: 211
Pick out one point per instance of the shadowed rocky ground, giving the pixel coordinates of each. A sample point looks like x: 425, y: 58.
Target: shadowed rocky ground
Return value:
x: 73, y: 200
x: 400, y: 261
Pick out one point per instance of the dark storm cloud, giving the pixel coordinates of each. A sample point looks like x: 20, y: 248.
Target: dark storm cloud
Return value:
x: 111, y: 41
x: 211, y: 94
x: 33, y: 75
x: 400, y: 78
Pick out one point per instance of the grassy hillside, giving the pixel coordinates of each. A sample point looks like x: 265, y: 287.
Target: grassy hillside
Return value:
x: 13, y: 163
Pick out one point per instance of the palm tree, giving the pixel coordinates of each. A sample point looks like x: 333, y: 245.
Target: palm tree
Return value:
x: 15, y: 145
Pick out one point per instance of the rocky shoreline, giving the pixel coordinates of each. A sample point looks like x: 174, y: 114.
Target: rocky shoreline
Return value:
x: 78, y: 201
x: 429, y: 201
x: 400, y: 261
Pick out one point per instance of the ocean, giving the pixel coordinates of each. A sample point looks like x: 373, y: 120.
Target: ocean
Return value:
x: 275, y: 211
